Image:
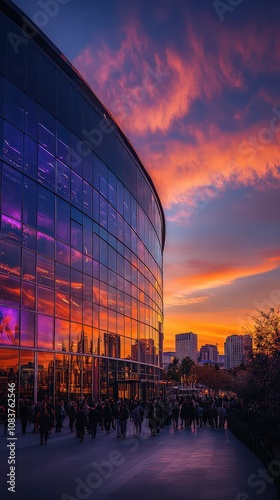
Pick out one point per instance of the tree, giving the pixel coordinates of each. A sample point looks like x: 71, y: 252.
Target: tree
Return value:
x: 186, y: 368
x: 266, y: 332
x: 173, y: 371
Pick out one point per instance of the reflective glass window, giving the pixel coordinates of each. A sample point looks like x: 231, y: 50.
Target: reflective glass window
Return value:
x: 11, y: 229
x: 76, y: 309
x: 76, y: 190
x: 45, y: 271
x: 9, y: 326
x: 9, y: 291
x: 76, y: 283
x: 29, y: 237
x: 61, y: 335
x: 103, y: 179
x: 12, y: 192
x: 76, y: 235
x: 62, y: 142
x: 45, y: 380
x: 14, y: 105
x: 45, y: 328
x: 16, y: 58
x: 9, y: 258
x: 87, y: 198
x: 62, y: 180
x: 112, y: 188
x: 87, y: 287
x: 28, y: 296
x: 63, y: 253
x: 96, y: 162
x: 32, y: 68
x: 76, y: 259
x: 28, y: 265
x: 63, y: 98
x: 30, y: 157
x: 45, y: 216
x: 45, y: 300
x: 62, y: 305
x: 76, y: 112
x: 46, y: 130
x: 103, y: 212
x: 47, y: 81
x: 62, y: 277
x: 45, y: 244
x: 87, y: 236
x: 29, y: 202
x: 27, y: 328
x: 13, y: 145
x: 46, y: 168
x: 26, y: 375
x: 31, y: 117
x: 87, y: 312
x: 62, y: 220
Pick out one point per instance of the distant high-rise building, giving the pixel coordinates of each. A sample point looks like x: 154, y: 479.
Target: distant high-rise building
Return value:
x: 209, y: 352
x: 238, y: 349
x: 186, y: 345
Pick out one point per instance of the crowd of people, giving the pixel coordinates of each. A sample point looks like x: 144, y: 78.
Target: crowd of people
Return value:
x: 86, y: 416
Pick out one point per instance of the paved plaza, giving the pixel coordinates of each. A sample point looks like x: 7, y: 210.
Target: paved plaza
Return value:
x: 202, y: 464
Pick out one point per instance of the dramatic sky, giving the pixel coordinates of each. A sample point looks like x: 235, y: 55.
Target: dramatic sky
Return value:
x: 195, y: 85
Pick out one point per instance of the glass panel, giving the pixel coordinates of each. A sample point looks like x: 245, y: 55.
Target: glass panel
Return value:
x: 76, y: 190
x: 16, y: 58
x: 46, y: 167
x: 75, y: 376
x: 62, y: 220
x: 28, y: 295
x: 76, y: 309
x: 63, y: 253
x: 8, y: 370
x: 46, y: 130
x: 87, y: 198
x: 87, y: 312
x: 12, y: 192
x: 45, y: 271
x: 28, y: 265
x: 11, y: 229
x: 45, y: 375
x: 27, y: 329
x: 76, y: 283
x: 47, y: 80
x: 45, y: 245
x: 61, y: 335
x: 63, y: 99
x: 76, y: 235
x: 26, y: 376
x: 31, y: 117
x: 62, y: 278
x: 30, y: 157
x: 45, y: 331
x: 61, y: 376
x: 29, y: 237
x: 32, y: 68
x: 76, y: 259
x: 87, y: 287
x: 45, y: 300
x: 14, y: 105
x: 9, y: 258
x: 9, y: 290
x: 62, y: 180
x: 87, y: 375
x: 13, y: 145
x: 62, y: 305
x: 29, y: 202
x: 9, y: 325
x: 63, y: 143
x: 75, y: 336
x: 45, y: 216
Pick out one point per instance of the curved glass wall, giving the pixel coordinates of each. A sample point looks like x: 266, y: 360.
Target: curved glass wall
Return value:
x: 82, y: 235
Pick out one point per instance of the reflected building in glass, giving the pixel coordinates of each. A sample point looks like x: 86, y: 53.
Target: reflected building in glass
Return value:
x: 82, y: 234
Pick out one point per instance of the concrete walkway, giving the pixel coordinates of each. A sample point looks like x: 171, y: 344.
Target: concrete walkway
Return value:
x: 203, y: 464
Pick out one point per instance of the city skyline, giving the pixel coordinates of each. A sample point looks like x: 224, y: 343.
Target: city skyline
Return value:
x: 196, y: 92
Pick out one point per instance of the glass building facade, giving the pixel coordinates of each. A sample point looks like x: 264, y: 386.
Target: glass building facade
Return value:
x: 82, y: 234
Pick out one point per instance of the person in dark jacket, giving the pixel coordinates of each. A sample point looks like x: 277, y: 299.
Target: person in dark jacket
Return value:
x: 44, y: 422
x: 93, y: 419
x: 81, y: 423
x: 124, y: 416
x: 24, y: 413
x: 107, y: 416
x: 72, y: 415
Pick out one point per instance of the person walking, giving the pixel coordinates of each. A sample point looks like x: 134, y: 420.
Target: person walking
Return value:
x: 124, y: 416
x: 81, y: 423
x: 44, y: 423
x: 137, y: 417
x: 93, y: 419
x: 24, y: 413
